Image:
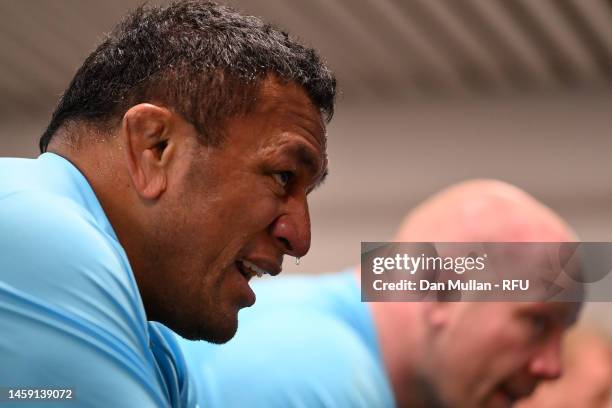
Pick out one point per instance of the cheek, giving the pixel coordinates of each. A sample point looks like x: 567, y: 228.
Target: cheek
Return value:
x: 219, y: 217
x: 250, y: 203
x: 488, y: 356
x: 508, y: 352
x: 224, y: 229
x: 510, y: 342
x: 253, y: 214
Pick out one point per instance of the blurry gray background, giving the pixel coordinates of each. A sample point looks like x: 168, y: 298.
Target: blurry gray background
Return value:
x: 434, y: 92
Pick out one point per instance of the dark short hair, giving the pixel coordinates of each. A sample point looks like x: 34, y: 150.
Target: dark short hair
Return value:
x: 203, y: 60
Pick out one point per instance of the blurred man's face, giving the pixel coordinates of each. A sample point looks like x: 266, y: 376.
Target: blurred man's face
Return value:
x: 490, y: 355
x: 235, y: 211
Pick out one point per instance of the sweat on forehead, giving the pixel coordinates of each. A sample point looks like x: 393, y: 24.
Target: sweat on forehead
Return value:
x: 480, y: 211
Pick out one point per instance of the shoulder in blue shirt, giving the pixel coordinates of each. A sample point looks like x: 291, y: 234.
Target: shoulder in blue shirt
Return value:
x: 70, y: 312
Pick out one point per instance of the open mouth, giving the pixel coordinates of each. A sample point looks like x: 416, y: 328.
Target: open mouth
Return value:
x: 249, y: 269
x: 501, y: 398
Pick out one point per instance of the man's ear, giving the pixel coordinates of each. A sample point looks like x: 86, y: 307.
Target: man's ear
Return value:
x: 147, y: 130
x: 437, y: 314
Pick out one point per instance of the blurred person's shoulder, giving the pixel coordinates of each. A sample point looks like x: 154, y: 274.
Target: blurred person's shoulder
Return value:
x: 312, y: 337
x: 335, y: 295
x: 324, y: 291
x: 308, y: 356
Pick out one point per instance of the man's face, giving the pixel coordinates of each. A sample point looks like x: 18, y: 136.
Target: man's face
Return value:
x: 492, y: 354
x: 235, y: 210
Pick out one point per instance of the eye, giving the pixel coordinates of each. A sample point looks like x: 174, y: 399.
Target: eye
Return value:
x: 540, y: 324
x: 283, y: 178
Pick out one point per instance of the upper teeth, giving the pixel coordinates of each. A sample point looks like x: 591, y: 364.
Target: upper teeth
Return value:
x: 258, y: 271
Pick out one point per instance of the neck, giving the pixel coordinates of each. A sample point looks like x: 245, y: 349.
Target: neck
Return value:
x: 110, y: 185
x: 400, y: 335
x: 103, y: 167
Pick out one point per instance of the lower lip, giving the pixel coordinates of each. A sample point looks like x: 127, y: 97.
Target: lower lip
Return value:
x: 246, y: 292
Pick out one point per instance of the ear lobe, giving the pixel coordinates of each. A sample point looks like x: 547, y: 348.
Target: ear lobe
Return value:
x: 146, y: 130
x: 437, y: 314
x: 152, y: 176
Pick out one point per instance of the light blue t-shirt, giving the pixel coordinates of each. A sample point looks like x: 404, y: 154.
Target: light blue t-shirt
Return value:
x: 71, y: 316
x: 307, y: 342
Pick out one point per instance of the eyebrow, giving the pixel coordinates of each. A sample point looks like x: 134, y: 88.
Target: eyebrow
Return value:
x: 557, y: 312
x: 306, y: 158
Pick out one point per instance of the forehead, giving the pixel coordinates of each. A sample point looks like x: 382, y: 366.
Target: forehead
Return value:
x: 283, y: 123
x: 289, y: 102
x: 279, y: 113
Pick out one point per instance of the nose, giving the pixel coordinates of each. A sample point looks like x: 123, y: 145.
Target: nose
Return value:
x: 292, y: 229
x: 546, y: 364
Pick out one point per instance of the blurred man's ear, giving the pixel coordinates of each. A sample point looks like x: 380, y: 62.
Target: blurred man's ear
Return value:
x: 437, y: 314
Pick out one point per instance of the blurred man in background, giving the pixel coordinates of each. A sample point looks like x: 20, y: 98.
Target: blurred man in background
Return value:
x: 311, y: 342
x: 174, y: 169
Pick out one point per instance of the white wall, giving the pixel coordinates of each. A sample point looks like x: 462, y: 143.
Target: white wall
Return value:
x: 386, y: 157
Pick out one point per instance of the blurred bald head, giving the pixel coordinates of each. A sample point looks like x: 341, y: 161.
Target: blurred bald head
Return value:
x: 483, y: 211
x: 433, y: 352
